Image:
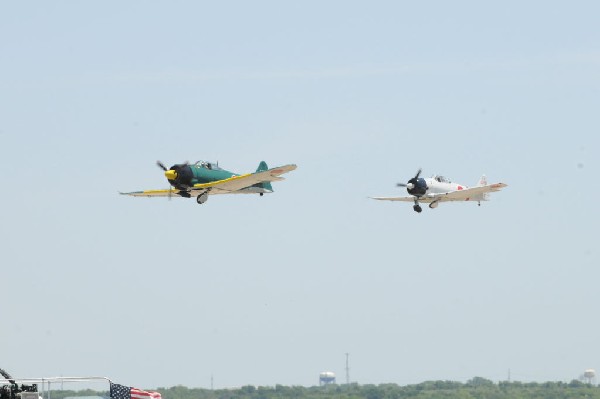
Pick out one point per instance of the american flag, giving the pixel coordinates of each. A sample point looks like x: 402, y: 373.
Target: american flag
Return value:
x: 118, y: 391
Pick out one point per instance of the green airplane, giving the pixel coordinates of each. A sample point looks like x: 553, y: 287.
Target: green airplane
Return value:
x: 202, y: 179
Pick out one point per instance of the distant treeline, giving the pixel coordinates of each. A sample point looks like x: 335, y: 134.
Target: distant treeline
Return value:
x: 476, y: 388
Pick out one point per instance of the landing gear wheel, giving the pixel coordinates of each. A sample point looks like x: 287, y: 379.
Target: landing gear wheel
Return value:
x: 201, y: 199
x: 261, y: 194
x: 417, y: 208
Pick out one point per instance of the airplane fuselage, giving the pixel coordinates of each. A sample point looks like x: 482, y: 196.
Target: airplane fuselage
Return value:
x: 441, y: 185
x: 206, y: 174
x: 185, y: 176
x: 437, y: 187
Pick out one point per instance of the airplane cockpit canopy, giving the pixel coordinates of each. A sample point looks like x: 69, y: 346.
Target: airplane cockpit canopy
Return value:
x: 442, y: 179
x: 208, y: 165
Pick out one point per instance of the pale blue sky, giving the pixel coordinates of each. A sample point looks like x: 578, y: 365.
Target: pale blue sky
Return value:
x: 274, y: 290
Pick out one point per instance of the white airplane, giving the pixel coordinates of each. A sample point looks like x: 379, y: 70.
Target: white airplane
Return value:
x: 438, y: 189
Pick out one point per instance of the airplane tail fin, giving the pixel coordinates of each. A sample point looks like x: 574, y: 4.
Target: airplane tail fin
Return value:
x: 262, y: 166
x: 482, y: 182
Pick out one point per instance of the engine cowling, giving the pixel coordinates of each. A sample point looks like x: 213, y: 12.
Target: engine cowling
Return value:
x: 180, y: 176
x: 417, y: 186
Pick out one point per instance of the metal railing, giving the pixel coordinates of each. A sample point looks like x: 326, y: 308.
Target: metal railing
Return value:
x: 45, y: 383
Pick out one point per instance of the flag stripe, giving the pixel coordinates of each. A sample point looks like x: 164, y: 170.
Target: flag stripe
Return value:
x: 122, y: 392
x: 139, y: 394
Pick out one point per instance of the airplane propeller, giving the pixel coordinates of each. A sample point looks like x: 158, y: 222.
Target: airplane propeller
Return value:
x: 179, y: 176
x: 170, y: 173
x: 416, y: 185
x: 161, y: 165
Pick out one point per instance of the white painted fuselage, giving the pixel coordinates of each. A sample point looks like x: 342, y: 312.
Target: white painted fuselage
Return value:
x: 439, y: 185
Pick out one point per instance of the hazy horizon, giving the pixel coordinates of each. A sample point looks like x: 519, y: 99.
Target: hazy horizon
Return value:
x: 276, y: 289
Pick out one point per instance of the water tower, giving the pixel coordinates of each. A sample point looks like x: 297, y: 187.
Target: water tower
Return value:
x: 326, y: 378
x: 589, y: 376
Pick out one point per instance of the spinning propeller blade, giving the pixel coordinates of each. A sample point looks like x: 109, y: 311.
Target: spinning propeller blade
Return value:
x: 161, y: 165
x: 414, y: 183
x: 411, y: 183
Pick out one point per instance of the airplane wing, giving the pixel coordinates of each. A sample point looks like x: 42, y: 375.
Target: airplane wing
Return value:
x: 459, y: 195
x: 424, y: 199
x: 404, y: 199
x: 153, y: 193
x: 236, y: 183
x: 467, y: 194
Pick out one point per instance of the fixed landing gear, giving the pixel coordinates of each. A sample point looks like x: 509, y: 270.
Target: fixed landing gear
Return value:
x: 416, y: 207
x: 202, y: 198
x: 261, y: 194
